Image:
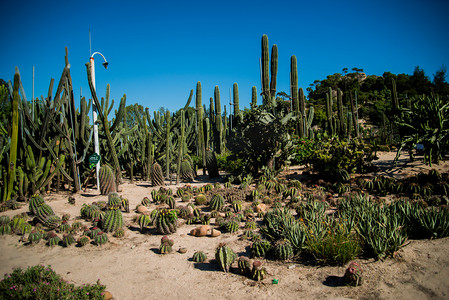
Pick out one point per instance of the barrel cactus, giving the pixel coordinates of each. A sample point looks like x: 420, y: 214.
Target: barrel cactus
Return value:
x: 283, y: 250
x: 83, y: 240
x: 166, y: 245
x: 68, y: 239
x: 353, y: 274
x: 244, y: 264
x: 199, y: 257
x: 186, y: 172
x: 217, y: 202
x: 53, y: 239
x: 107, y: 180
x: 35, y: 237
x: 35, y: 201
x: 143, y: 221
x: 113, y: 220
x: 101, y: 238
x: 157, y: 175
x: 258, y: 272
x: 260, y: 248
x: 225, y: 256
x: 166, y: 221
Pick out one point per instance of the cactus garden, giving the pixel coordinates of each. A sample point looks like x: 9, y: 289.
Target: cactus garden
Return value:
x: 272, y: 199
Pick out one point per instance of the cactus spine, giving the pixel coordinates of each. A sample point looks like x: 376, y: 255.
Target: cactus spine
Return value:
x: 225, y: 256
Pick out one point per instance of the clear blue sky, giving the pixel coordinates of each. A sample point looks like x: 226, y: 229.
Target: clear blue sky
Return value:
x: 158, y: 50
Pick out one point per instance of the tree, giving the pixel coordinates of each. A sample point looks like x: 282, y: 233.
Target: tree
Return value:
x: 439, y: 80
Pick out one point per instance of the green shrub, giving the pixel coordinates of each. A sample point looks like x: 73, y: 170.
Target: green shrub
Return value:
x: 39, y: 282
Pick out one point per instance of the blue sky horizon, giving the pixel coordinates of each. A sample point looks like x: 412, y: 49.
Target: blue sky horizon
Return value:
x: 157, y: 52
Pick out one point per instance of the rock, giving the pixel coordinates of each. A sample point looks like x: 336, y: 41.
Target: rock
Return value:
x: 107, y: 295
x: 215, y: 233
x: 142, y: 209
x: 200, y: 230
x: 261, y: 208
x: 182, y: 250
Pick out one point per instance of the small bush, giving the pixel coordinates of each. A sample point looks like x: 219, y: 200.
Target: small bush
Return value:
x: 39, y: 282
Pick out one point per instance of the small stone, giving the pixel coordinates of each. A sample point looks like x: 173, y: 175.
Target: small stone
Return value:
x: 215, y: 233
x: 182, y: 250
x: 291, y: 267
x: 107, y: 295
x: 141, y: 209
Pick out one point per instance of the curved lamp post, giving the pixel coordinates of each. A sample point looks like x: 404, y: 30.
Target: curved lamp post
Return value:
x: 94, y: 113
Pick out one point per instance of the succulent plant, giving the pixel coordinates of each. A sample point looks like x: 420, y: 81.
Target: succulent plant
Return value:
x: 244, y: 265
x: 35, y: 237
x: 166, y: 221
x: 237, y: 205
x: 260, y: 248
x: 64, y: 227
x: 166, y: 245
x: 211, y: 164
x: 143, y: 221
x: 231, y: 226
x: 146, y: 201
x: 353, y: 275
x: 119, y: 233
x: 225, y: 256
x: 83, y: 240
x: 35, y: 202
x: 228, y: 185
x: 107, y: 180
x: 5, y: 229
x: 200, y: 199
x: 199, y: 257
x: 68, y: 239
x: 53, y: 239
x: 157, y: 176
x: 77, y: 225
x: 113, y: 219
x: 283, y: 250
x: 216, y: 202
x: 258, y: 272
x: 65, y: 217
x: 251, y: 225
x: 101, y: 238
x: 93, y: 232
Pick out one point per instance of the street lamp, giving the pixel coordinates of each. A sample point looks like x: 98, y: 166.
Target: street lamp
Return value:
x: 94, y: 113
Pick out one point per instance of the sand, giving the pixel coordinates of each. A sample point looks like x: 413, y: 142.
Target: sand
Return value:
x: 132, y: 268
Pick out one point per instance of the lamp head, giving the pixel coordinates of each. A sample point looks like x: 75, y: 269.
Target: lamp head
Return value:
x: 105, y: 64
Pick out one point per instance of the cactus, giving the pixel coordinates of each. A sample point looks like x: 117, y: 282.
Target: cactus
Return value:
x: 113, y: 220
x: 232, y: 226
x: 253, y: 97
x: 273, y: 70
x: 143, y: 221
x: 199, y: 118
x: 258, y: 272
x: 341, y: 115
x: 114, y: 201
x: 53, y: 239
x: 217, y: 202
x: 200, y: 199
x: 218, y: 141
x: 199, y: 257
x: 330, y: 127
x: 211, y: 164
x: 119, y: 233
x: 237, y: 205
x: 250, y: 225
x: 101, y: 238
x: 244, y: 265
x: 107, y: 180
x: 283, y: 250
x: 68, y: 239
x: 64, y: 227
x: 166, y: 245
x: 295, y: 97
x: 43, y: 212
x: 265, y: 70
x: 166, y: 221
x: 186, y: 172
x: 5, y: 228
x: 52, y: 222
x: 353, y: 275
x: 225, y: 256
x: 35, y: 202
x: 14, y: 138
x: 83, y: 240
x: 237, y: 116
x: 93, y: 232
x: 157, y: 176
x: 260, y: 248
x: 35, y: 237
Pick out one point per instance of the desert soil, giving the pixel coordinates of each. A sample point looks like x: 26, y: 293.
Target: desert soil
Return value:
x: 132, y: 268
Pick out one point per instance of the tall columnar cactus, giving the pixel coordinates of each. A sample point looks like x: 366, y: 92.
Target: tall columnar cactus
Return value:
x: 181, y: 146
x: 167, y: 143
x: 199, y: 120
x: 341, y: 115
x: 295, y: 96
x: 14, y: 137
x: 254, y: 97
x: 394, y: 96
x: 218, y: 122
x: 330, y: 125
x: 211, y: 164
x: 273, y: 70
x: 107, y: 180
x: 236, y: 103
x: 265, y: 71
x: 354, y: 114
x: 225, y: 256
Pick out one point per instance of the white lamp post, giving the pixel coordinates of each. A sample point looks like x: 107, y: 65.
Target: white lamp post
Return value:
x: 94, y: 113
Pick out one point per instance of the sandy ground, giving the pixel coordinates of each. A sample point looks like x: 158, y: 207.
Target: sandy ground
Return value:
x: 132, y: 268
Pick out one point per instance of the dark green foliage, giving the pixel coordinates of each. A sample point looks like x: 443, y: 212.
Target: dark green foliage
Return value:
x: 39, y: 282
x: 211, y: 164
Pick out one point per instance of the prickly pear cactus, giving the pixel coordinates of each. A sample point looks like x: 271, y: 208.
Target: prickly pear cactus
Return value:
x: 353, y: 274
x: 225, y: 256
x: 107, y: 180
x: 157, y: 176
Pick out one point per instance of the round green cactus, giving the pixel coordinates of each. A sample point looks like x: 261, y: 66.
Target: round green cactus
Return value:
x: 83, y: 240
x: 157, y: 176
x: 35, y: 237
x: 68, y: 239
x: 101, y: 238
x: 244, y: 264
x: 199, y: 257
x: 258, y: 272
x: 35, y: 202
x: 200, y: 199
x: 283, y: 250
x: 260, y: 248
x: 166, y: 221
x: 113, y: 220
x: 53, y: 239
x: 114, y: 200
x: 107, y: 180
x: 353, y: 275
x: 119, y: 233
x: 217, y: 202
